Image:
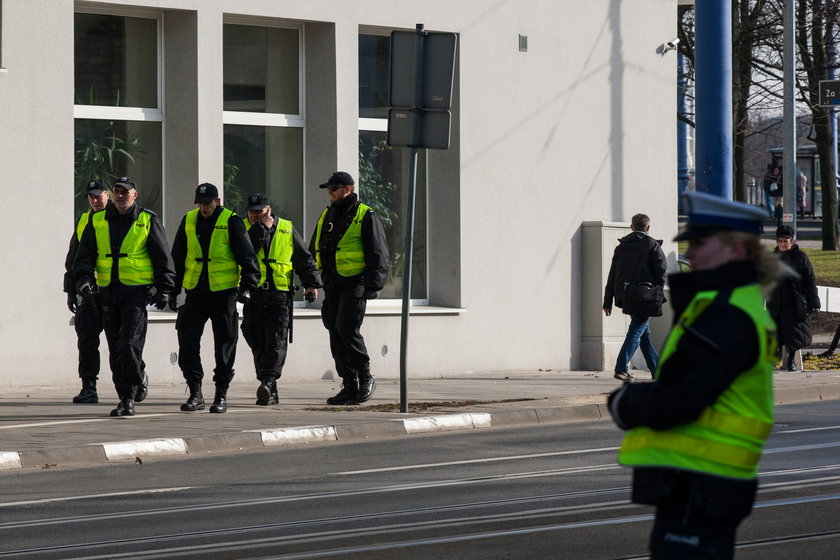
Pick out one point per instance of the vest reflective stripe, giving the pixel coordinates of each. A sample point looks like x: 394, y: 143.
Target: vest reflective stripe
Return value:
x: 350, y: 253
x: 134, y: 266
x: 279, y: 256
x: 726, y: 440
x: 222, y: 268
x: 82, y: 224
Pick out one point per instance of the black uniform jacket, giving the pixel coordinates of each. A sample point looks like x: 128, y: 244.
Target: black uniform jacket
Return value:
x: 338, y: 219
x: 302, y: 261
x: 637, y: 258
x: 793, y: 299
x: 719, y: 346
x: 69, y: 283
x: 118, y: 225
x: 241, y: 246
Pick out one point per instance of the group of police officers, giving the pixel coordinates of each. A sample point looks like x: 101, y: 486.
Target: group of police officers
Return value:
x: 119, y: 262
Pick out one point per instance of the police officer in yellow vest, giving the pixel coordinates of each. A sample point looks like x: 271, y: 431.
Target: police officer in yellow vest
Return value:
x: 265, y: 322
x: 697, y: 431
x: 123, y: 249
x: 352, y: 254
x: 216, y: 265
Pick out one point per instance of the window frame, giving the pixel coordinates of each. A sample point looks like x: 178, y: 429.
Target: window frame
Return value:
x: 135, y: 114
x: 370, y: 124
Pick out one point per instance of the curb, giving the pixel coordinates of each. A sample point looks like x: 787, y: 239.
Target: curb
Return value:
x: 110, y: 452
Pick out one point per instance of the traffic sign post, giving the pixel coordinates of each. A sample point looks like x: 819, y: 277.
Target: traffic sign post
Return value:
x: 422, y: 72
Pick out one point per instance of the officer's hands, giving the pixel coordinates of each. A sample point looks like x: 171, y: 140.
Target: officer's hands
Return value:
x: 85, y: 290
x: 371, y: 294
x: 158, y: 299
x: 243, y: 295
x: 72, y: 303
x: 172, y: 302
x: 311, y: 294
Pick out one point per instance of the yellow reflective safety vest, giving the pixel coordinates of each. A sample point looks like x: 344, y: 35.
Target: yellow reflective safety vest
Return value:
x: 727, y: 439
x: 222, y: 268
x: 350, y: 253
x: 279, y: 258
x: 82, y: 224
x: 134, y: 266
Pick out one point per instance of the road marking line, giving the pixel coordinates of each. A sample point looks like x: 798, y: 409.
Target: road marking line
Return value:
x: 93, y: 496
x: 83, y: 421
x: 147, y: 448
x: 793, y: 448
x: 807, y: 430
x: 486, y: 460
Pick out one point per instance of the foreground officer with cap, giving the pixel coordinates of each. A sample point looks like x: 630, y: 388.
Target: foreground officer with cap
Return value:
x: 352, y: 254
x: 124, y: 251
x: 209, y: 250
x: 267, y: 317
x: 697, y: 431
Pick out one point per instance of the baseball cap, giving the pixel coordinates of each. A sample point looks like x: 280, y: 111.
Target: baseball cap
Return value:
x: 338, y: 178
x: 126, y: 182
x: 709, y: 214
x: 96, y: 187
x: 206, y: 192
x: 257, y: 201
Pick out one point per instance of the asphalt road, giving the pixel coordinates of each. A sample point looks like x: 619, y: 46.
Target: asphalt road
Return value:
x: 538, y: 492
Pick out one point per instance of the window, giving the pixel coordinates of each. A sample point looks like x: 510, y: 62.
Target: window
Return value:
x: 263, y: 116
x: 118, y: 117
x: 383, y: 171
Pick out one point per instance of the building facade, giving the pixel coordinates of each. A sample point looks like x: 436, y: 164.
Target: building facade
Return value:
x: 564, y: 113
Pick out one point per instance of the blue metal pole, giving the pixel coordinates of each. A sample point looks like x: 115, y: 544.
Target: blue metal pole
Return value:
x: 831, y: 52
x: 713, y: 66
x: 682, y: 129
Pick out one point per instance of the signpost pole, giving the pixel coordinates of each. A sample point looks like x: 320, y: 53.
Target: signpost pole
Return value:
x: 408, y: 257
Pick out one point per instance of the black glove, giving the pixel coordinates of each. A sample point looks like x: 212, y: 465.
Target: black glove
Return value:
x: 172, y: 301
x: 72, y: 303
x: 309, y: 296
x: 85, y: 290
x: 243, y: 295
x: 158, y: 299
x: 371, y: 294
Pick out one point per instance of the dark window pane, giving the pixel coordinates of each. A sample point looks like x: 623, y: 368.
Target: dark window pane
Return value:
x: 267, y: 160
x: 374, y: 53
x: 261, y: 69
x: 383, y: 185
x: 109, y: 149
x: 115, y: 61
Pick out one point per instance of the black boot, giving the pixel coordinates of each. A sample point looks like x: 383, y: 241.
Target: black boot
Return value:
x: 267, y: 391
x: 348, y: 395
x: 791, y: 359
x: 124, y: 408
x: 367, y: 384
x: 219, y: 405
x: 143, y: 388
x: 88, y: 393
x: 196, y: 399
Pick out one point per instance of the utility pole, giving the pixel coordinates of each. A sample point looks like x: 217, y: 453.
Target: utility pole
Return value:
x: 789, y: 116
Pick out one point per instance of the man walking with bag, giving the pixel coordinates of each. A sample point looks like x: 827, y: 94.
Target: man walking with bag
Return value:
x: 638, y: 266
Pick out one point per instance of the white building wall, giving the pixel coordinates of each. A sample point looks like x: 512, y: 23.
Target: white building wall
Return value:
x: 581, y: 127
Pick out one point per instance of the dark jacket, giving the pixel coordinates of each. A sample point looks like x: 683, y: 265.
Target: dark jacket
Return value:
x: 302, y: 262
x: 118, y: 227
x: 719, y: 346
x: 638, y: 258
x: 241, y: 246
x: 793, y: 300
x: 69, y: 283
x: 338, y: 219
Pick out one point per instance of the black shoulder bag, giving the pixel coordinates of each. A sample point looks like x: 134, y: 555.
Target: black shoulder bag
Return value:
x: 642, y: 298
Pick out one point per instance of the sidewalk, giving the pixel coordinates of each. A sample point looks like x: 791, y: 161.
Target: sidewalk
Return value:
x: 45, y: 430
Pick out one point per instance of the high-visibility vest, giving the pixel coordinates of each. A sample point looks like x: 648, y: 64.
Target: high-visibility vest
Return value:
x: 279, y: 258
x: 84, y: 219
x: 134, y: 266
x: 350, y: 253
x: 727, y: 439
x: 222, y: 268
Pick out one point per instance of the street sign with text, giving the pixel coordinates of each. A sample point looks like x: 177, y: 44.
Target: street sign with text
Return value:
x: 829, y: 93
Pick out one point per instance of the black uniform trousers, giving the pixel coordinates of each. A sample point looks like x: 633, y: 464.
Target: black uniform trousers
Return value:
x: 125, y: 319
x: 342, y: 312
x: 696, y: 519
x: 265, y: 325
x: 88, y: 324
x: 220, y: 309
